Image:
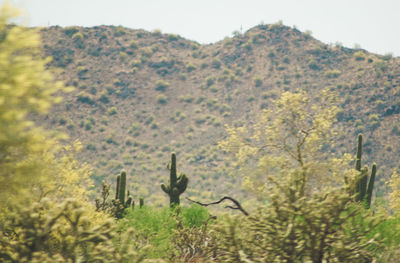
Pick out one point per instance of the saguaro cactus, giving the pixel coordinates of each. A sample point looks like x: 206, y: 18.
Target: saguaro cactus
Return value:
x: 121, y: 193
x: 177, y: 184
x: 364, y: 190
x: 122, y: 188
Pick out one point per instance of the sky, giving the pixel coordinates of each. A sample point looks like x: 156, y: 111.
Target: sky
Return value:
x: 373, y: 25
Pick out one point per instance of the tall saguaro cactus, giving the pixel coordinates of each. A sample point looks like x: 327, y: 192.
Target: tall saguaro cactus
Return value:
x: 364, y: 187
x: 177, y: 184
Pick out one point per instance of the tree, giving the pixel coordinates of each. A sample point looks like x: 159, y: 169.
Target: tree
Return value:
x: 293, y: 140
x: 31, y: 159
x: 286, y: 157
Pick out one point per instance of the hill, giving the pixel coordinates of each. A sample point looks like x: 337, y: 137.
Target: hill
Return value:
x: 140, y: 95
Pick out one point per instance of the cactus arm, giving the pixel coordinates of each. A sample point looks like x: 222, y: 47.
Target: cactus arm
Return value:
x: 128, y: 202
x: 165, y: 188
x: 117, y: 190
x: 173, y: 177
x: 359, y: 152
x: 371, y: 185
x: 363, y: 183
x: 182, y: 183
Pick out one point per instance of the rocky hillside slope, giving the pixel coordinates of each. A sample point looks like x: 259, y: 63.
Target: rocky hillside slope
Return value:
x: 140, y: 95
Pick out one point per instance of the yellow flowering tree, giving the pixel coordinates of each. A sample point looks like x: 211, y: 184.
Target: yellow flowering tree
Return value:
x: 293, y: 140
x: 31, y: 159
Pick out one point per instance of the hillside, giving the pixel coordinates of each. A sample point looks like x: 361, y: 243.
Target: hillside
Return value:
x: 140, y: 95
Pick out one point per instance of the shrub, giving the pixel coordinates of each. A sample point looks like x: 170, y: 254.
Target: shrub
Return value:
x: 159, y: 226
x: 50, y: 232
x: 119, y: 32
x: 190, y: 67
x: 216, y: 63
x: 161, y: 85
x: 359, y: 55
x: 83, y: 97
x: 70, y: 31
x: 313, y: 65
x: 334, y: 73
x: 112, y: 111
x: 78, y: 40
x: 186, y: 98
x: 162, y: 99
x: 257, y: 81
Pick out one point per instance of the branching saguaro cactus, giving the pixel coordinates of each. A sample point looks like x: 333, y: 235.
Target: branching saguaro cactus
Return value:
x: 364, y: 186
x: 177, y: 184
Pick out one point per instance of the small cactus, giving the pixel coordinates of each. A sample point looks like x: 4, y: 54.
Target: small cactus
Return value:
x: 177, y: 184
x: 364, y: 188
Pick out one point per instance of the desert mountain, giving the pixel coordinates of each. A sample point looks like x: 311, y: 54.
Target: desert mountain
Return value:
x: 140, y: 95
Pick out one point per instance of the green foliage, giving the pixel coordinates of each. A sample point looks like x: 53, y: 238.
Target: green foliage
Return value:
x: 69, y: 31
x: 31, y: 160
x: 177, y: 184
x: 50, y: 232
x: 161, y: 85
x: 257, y: 81
x: 112, y: 111
x: 162, y: 99
x: 289, y: 138
x: 216, y: 63
x: 334, y: 73
x: 359, y: 55
x: 158, y: 225
x: 323, y: 227
x: 78, y: 40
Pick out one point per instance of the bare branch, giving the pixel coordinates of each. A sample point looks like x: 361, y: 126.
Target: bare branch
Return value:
x: 236, y: 207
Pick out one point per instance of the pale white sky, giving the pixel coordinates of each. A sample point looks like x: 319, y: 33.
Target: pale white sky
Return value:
x: 373, y: 24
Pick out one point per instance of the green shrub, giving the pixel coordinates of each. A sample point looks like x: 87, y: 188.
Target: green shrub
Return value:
x: 161, y: 85
x: 78, y: 40
x: 186, y: 98
x: 334, y: 73
x: 216, y: 63
x: 190, y: 67
x: 119, y: 32
x: 173, y: 37
x: 83, y: 97
x: 63, y: 232
x: 112, y: 111
x: 162, y: 99
x: 257, y: 81
x: 158, y: 225
x: 359, y: 55
x: 70, y: 31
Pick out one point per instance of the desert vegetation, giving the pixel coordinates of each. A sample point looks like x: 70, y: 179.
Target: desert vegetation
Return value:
x: 170, y: 170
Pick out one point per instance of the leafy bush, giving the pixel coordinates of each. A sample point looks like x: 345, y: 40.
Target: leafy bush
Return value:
x: 359, y: 55
x: 78, y: 40
x: 162, y: 99
x: 334, y: 73
x: 257, y: 81
x: 216, y: 63
x: 112, y: 111
x: 49, y: 232
x: 69, y: 31
x: 157, y: 225
x: 161, y: 85
x: 323, y: 227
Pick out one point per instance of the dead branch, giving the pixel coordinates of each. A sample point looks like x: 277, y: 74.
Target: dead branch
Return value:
x: 236, y: 207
